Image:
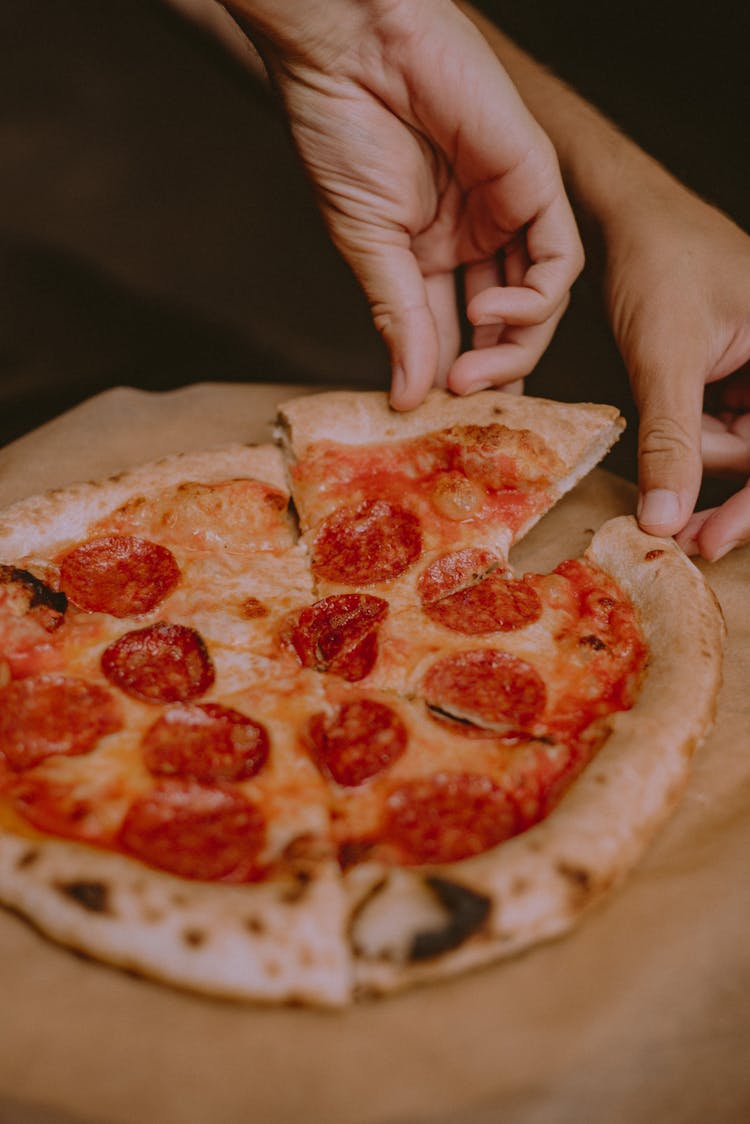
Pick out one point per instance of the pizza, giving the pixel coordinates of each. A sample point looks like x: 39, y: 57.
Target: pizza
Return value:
x: 281, y: 723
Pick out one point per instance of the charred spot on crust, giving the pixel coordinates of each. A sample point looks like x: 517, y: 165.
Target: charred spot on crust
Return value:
x: 277, y: 501
x: 194, y: 938
x: 28, y: 858
x: 578, y: 875
x: 255, y: 926
x: 467, y: 912
x: 297, y: 888
x: 650, y: 555
x: 40, y: 599
x: 582, y: 882
x: 93, y: 896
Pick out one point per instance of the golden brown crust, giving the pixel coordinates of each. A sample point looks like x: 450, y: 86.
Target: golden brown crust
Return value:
x: 32, y: 524
x: 360, y: 418
x: 274, y: 942
x: 540, y: 883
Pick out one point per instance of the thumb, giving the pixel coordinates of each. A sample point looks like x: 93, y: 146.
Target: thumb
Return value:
x: 397, y: 294
x: 669, y: 398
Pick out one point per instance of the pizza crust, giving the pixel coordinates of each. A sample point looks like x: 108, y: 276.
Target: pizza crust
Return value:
x: 280, y: 941
x: 34, y: 524
x: 366, y: 417
x: 538, y: 885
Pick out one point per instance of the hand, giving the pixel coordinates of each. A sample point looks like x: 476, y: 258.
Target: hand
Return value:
x: 726, y: 452
x: 678, y: 289
x: 425, y: 159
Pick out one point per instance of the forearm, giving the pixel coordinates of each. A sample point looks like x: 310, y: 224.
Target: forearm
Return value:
x: 602, y: 168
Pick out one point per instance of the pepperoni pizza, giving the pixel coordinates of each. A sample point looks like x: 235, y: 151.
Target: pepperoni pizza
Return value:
x: 308, y: 752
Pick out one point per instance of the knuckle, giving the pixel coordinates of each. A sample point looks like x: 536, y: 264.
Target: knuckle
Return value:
x: 664, y: 437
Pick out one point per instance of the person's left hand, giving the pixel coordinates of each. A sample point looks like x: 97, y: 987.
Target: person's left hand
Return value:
x: 424, y: 159
x: 725, y: 446
x: 677, y: 286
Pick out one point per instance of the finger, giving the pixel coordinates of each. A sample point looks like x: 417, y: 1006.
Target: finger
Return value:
x: 552, y: 241
x: 725, y: 527
x: 734, y: 392
x: 516, y: 261
x: 554, y: 247
x: 512, y: 359
x: 477, y: 277
x: 517, y: 305
x: 726, y: 449
x: 515, y: 387
x: 515, y: 264
x: 669, y: 397
x: 393, y: 283
x: 687, y: 538
x: 441, y: 297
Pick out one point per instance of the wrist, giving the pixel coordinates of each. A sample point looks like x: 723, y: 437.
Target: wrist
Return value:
x: 613, y: 178
x: 315, y: 31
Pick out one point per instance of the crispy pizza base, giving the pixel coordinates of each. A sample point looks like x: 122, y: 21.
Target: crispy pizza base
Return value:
x: 320, y: 937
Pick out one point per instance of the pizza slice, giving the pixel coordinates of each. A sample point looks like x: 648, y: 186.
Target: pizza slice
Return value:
x: 148, y: 714
x: 409, y: 519
x: 378, y: 492
x: 430, y: 916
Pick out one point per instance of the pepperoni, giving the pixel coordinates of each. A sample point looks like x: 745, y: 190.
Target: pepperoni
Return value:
x: 207, y: 742
x: 362, y: 739
x: 453, y: 571
x: 496, y: 604
x: 339, y: 634
x: 489, y: 687
x: 196, y: 831
x: 162, y: 663
x: 52, y: 714
x: 542, y: 774
x: 447, y: 817
x: 361, y: 544
x: 58, y: 808
x: 119, y: 574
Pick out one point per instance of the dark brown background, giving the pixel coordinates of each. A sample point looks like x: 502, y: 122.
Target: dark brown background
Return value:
x: 155, y: 229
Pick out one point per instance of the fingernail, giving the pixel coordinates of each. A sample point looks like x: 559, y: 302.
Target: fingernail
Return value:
x: 659, y: 508
x: 723, y: 550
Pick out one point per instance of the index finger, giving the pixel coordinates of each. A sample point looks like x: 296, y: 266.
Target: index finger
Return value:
x: 714, y: 533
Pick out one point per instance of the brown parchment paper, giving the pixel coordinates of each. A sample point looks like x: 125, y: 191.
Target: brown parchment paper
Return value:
x: 641, y: 1015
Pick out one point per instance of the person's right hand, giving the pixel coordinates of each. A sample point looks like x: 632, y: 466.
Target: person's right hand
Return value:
x: 424, y: 159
